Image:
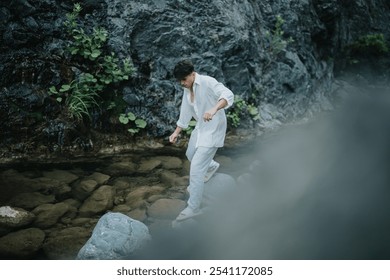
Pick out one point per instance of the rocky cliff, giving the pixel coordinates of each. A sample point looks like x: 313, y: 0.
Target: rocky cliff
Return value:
x: 286, y: 71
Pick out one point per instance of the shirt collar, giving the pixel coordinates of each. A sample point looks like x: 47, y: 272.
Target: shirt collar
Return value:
x: 197, y: 79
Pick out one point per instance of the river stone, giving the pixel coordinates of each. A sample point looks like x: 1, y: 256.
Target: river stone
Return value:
x: 169, y: 162
x: 168, y: 177
x: 61, y: 175
x: 44, y: 184
x: 122, y: 168
x: 21, y: 244
x: 115, y: 237
x: 100, y: 178
x: 138, y: 214
x: 82, y: 189
x: 100, y: 201
x: 181, y: 181
x: 31, y: 200
x: 134, y: 198
x: 15, y: 218
x: 166, y: 208
x: 147, y: 166
x: 121, y: 183
x: 64, y: 244
x: 49, y: 214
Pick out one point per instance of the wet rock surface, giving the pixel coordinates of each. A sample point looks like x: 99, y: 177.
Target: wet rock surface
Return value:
x: 115, y: 237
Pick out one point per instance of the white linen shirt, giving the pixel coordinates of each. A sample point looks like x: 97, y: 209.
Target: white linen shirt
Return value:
x: 207, y: 92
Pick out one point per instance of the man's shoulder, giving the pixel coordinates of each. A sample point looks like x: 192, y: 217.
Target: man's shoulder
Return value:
x: 206, y: 79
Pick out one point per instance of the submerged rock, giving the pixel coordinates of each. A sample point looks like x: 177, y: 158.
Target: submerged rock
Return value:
x: 21, y: 244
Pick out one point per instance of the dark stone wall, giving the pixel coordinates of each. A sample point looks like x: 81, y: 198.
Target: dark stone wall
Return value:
x: 224, y: 38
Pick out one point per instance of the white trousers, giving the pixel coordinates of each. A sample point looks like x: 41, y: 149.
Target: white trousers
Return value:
x: 201, y: 159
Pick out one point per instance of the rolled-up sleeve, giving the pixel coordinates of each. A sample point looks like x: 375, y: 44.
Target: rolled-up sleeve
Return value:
x: 223, y: 92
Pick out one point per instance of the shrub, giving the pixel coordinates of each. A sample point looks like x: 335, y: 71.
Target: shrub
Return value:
x: 374, y: 44
x: 84, y: 92
x: 241, y: 110
x: 275, y: 41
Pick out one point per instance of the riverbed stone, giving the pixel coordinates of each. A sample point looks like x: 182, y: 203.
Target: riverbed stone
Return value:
x: 155, y: 197
x: 31, y: 200
x: 115, y: 237
x: 22, y: 244
x: 138, y: 214
x: 170, y: 162
x: 121, y: 183
x: 122, y: 168
x: 83, y: 188
x: 61, y: 175
x: 100, y: 201
x: 136, y: 197
x: 166, y: 208
x: 168, y: 177
x: 49, y: 214
x: 181, y: 181
x: 100, y: 178
x: 45, y: 184
x: 64, y: 244
x: 148, y: 165
x: 11, y: 217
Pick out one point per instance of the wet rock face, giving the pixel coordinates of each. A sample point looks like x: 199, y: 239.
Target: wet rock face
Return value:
x: 225, y: 39
x: 116, y: 236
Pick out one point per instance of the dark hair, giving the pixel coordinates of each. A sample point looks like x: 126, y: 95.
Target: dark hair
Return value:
x: 183, y: 69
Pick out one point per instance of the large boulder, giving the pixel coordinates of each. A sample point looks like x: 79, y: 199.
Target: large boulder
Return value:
x: 116, y: 236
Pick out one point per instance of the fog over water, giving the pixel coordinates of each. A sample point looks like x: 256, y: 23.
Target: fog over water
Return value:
x: 318, y: 191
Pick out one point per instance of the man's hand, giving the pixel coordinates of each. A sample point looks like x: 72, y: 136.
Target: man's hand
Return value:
x: 208, y: 116
x: 173, y: 137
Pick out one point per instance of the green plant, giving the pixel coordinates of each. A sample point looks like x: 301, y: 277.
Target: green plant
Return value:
x: 191, y: 127
x: 275, y: 41
x: 370, y: 44
x: 241, y: 110
x: 79, y: 95
x: 87, y: 45
x: 137, y: 123
x: 82, y: 93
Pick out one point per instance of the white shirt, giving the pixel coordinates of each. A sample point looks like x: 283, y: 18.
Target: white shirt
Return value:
x: 207, y: 92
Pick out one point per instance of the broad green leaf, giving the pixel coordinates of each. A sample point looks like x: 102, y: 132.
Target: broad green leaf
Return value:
x: 64, y: 88
x: 95, y: 53
x: 133, y: 130
x: 53, y: 90
x: 140, y: 123
x: 123, y: 119
x: 131, y: 116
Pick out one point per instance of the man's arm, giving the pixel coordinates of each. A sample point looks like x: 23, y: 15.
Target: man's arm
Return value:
x: 208, y: 116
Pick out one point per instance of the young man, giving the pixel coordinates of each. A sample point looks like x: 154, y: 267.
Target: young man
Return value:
x: 204, y: 99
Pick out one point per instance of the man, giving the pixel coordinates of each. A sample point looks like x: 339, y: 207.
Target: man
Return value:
x: 204, y: 99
